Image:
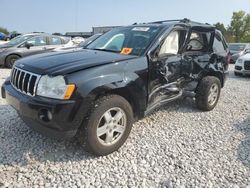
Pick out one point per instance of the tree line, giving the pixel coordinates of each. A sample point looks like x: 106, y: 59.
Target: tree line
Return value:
x: 239, y: 28
x: 237, y: 31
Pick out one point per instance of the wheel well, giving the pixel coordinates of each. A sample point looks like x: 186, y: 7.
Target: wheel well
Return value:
x: 10, y: 55
x: 218, y: 75
x: 125, y: 93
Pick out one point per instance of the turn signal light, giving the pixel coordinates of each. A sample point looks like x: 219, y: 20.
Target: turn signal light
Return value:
x: 69, y: 91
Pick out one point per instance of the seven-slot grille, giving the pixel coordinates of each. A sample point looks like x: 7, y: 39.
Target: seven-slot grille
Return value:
x: 247, y: 65
x: 24, y: 81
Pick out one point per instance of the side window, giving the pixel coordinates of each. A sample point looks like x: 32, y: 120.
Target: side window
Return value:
x: 56, y: 41
x: 171, y: 44
x: 196, y: 42
x: 37, y: 41
x: 218, y: 46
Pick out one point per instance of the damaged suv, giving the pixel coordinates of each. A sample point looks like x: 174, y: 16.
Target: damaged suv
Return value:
x: 98, y: 92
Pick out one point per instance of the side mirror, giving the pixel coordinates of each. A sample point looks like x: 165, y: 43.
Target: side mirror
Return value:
x: 247, y: 51
x: 28, y: 45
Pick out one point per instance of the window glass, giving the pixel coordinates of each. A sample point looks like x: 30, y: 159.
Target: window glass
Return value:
x: 115, y: 43
x: 218, y: 46
x: 55, y: 41
x: 171, y: 44
x: 37, y: 41
x: 132, y: 40
x: 196, y: 42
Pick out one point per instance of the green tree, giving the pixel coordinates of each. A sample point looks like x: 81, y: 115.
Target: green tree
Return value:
x: 4, y: 30
x: 240, y: 25
x: 221, y: 27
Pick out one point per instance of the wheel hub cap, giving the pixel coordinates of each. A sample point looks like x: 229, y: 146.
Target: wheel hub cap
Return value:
x: 111, y: 126
x: 213, y: 94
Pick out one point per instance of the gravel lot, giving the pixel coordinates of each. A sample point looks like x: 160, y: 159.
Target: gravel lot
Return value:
x: 178, y: 146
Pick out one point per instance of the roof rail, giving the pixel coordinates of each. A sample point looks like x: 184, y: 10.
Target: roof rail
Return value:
x: 185, y: 20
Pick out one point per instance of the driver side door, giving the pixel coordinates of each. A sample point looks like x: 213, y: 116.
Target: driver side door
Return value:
x: 165, y: 70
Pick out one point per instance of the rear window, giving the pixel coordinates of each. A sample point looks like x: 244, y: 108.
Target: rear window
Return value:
x: 218, y: 46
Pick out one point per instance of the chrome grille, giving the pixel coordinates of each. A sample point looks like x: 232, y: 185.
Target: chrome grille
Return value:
x: 24, y: 81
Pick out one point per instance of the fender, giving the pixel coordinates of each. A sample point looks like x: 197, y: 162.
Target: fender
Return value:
x: 126, y: 78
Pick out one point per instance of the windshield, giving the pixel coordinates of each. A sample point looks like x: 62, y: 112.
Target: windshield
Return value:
x: 126, y: 40
x: 19, y: 39
x: 236, y: 47
x: 89, y: 40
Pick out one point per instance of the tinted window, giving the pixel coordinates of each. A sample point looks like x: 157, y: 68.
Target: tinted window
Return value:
x: 56, y: 41
x: 218, y: 45
x: 126, y: 40
x: 37, y: 41
x: 236, y: 47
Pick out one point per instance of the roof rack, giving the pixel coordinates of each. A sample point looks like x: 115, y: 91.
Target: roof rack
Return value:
x: 185, y: 20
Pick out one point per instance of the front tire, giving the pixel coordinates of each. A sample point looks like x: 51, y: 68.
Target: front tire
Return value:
x: 107, y: 125
x: 10, y: 60
x: 208, y: 93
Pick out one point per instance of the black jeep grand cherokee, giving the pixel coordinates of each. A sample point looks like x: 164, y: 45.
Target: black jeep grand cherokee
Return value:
x: 97, y: 93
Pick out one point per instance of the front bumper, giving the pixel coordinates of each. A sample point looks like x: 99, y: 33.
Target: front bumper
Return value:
x: 239, y: 68
x: 50, y: 117
x: 242, y: 71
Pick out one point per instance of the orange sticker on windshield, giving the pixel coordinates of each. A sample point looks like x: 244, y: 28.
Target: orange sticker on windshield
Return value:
x: 126, y: 51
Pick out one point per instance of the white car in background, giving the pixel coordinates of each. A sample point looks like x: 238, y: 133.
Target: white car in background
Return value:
x: 3, y: 42
x: 71, y: 45
x: 242, y: 65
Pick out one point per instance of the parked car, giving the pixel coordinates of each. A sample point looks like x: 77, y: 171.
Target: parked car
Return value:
x: 242, y: 65
x: 236, y: 50
x: 11, y: 36
x: 2, y: 36
x: 97, y: 93
x: 28, y: 44
x: 83, y: 44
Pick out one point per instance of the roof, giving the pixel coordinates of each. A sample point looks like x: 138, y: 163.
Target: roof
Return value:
x: 184, y: 21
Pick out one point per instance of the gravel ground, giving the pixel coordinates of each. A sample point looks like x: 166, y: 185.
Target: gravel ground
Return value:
x: 178, y: 146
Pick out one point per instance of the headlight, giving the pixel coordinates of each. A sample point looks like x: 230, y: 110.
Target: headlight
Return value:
x: 239, y: 61
x: 54, y: 87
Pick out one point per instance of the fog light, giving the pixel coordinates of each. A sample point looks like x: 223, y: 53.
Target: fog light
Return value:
x: 45, y: 115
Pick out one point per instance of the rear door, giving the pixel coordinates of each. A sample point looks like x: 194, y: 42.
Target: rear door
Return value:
x: 197, y: 52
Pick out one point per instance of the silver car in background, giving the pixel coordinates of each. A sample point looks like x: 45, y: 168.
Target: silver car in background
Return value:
x: 28, y: 44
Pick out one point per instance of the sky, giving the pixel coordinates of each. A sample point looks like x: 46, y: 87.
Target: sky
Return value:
x: 81, y: 15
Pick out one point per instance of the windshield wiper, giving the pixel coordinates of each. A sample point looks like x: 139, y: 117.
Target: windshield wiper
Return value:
x: 105, y: 50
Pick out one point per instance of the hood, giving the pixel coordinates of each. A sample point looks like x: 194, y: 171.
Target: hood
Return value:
x: 5, y: 45
x: 246, y: 57
x: 61, y: 63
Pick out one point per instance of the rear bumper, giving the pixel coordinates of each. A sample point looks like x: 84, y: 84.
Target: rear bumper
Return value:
x: 53, y: 118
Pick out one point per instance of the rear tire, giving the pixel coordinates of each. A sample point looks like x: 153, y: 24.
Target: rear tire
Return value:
x: 107, y: 125
x: 208, y: 93
x: 10, y: 60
